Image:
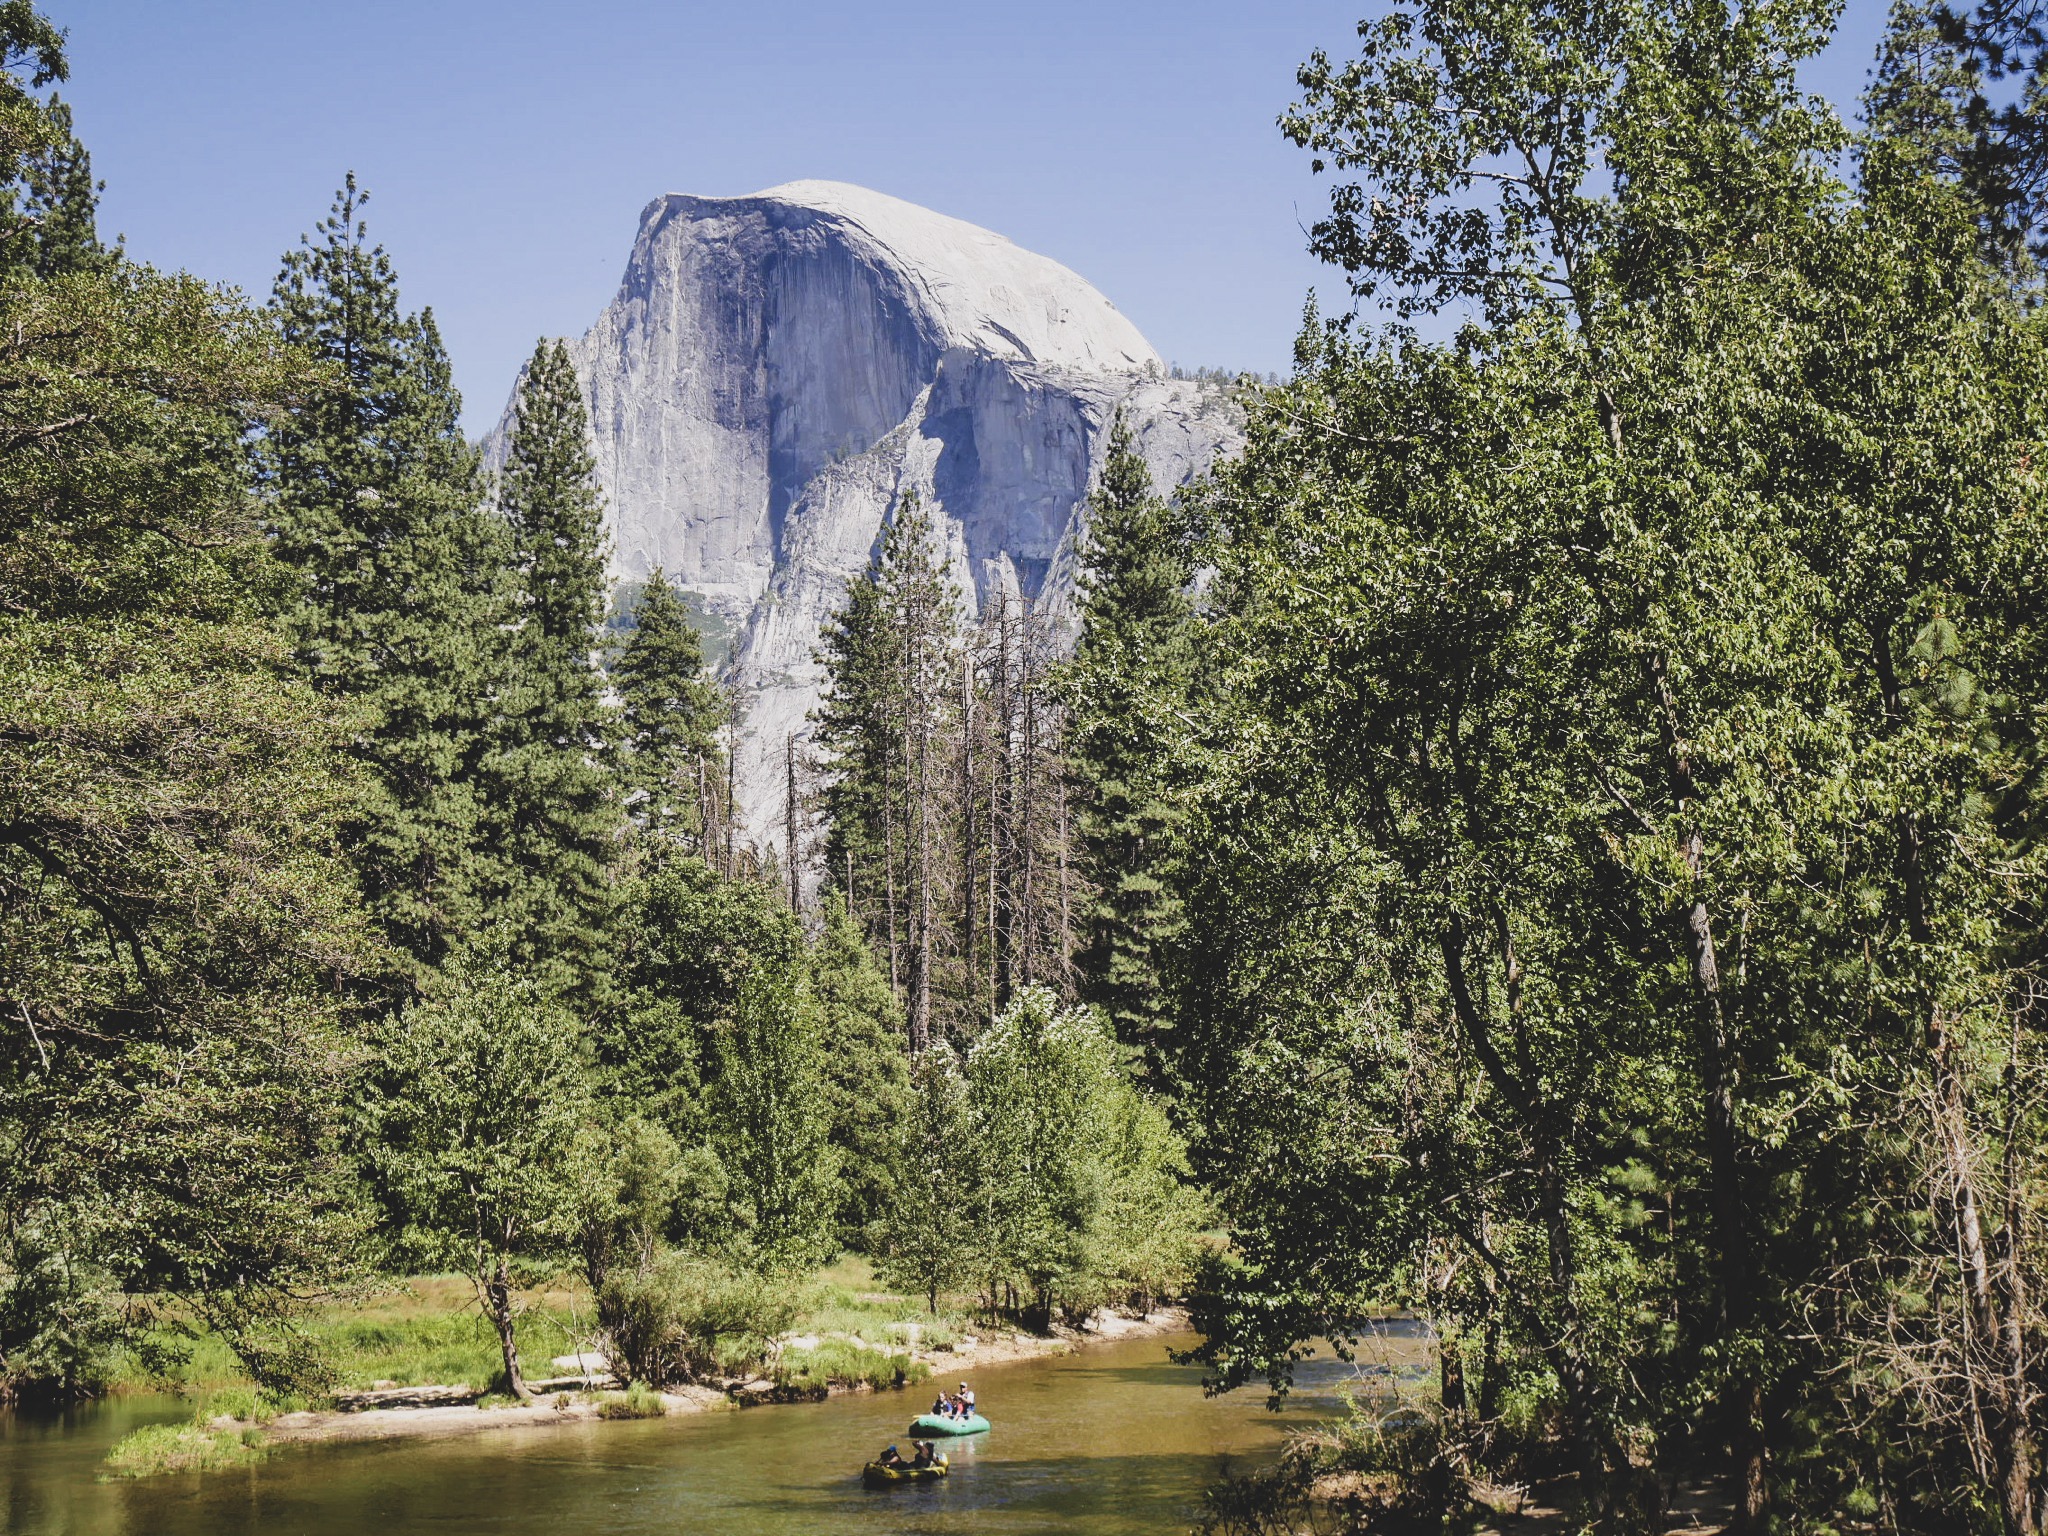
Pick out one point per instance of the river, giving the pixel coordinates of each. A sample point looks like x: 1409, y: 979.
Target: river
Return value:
x: 1112, y: 1439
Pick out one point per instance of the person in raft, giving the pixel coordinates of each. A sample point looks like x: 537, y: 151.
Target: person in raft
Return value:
x: 925, y: 1456
x: 966, y: 1401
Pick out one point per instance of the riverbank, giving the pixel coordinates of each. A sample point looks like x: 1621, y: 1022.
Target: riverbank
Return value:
x: 559, y: 1406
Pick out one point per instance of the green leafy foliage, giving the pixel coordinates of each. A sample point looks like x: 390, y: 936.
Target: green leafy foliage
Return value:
x: 468, y: 1128
x: 719, y: 1041
x: 866, y: 1070
x: 1038, y: 1171
x: 1573, y: 955
x: 173, y: 923
x: 924, y: 1236
x: 684, y: 1317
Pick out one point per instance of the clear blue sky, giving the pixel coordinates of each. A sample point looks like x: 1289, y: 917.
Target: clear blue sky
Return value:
x: 509, y: 146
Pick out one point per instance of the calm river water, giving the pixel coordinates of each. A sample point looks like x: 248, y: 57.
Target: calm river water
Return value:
x: 1112, y: 1439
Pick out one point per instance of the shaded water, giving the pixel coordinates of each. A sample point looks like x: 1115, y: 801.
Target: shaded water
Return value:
x: 1113, y: 1439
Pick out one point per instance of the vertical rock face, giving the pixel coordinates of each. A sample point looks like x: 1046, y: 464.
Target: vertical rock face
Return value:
x: 777, y: 369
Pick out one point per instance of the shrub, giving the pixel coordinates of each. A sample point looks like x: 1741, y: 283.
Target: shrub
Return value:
x: 58, y: 1325
x: 681, y: 1316
x: 162, y: 1448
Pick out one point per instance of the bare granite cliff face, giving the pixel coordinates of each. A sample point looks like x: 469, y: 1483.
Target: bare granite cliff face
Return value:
x: 777, y: 369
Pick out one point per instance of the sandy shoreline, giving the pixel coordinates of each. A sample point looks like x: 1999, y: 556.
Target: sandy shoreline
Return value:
x: 558, y: 1408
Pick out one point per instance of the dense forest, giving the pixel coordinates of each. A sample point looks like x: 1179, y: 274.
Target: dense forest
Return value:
x: 1550, y: 837
x: 375, y: 904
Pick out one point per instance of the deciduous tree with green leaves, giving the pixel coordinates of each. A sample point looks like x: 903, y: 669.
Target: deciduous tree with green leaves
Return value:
x: 174, y: 923
x: 1594, y: 682
x: 468, y: 1126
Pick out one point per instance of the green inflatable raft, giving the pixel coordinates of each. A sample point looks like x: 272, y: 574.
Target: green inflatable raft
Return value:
x: 878, y: 1474
x: 944, y: 1424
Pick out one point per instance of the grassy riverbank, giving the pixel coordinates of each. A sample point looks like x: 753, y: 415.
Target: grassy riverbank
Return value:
x: 427, y: 1330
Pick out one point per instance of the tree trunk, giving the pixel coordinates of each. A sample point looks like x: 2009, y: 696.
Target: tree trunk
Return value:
x: 1998, y: 1363
x: 703, y: 813
x: 732, y: 753
x: 968, y: 882
x: 2000, y: 1396
x: 1002, y: 823
x: 789, y: 840
x: 1489, y: 1380
x: 496, y: 1291
x: 917, y: 744
x: 1450, y: 1373
x: 1565, y: 1343
x: 1027, y: 826
x: 889, y: 873
x: 1743, y: 1405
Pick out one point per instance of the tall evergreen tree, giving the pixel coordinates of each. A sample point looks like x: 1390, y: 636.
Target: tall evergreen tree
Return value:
x: 377, y: 501
x: 553, y: 813
x: 48, y: 199
x: 889, y: 656
x: 49, y: 217
x: 670, y: 716
x: 858, y: 730
x: 1134, y: 657
x: 867, y: 1075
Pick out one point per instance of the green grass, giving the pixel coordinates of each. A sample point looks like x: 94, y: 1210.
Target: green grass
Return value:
x: 847, y: 1298
x: 638, y: 1401
x: 417, y: 1332
x: 427, y: 1330
x: 842, y: 1360
x: 163, y: 1448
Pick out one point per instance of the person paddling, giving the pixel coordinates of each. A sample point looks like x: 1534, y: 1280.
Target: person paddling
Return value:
x: 966, y: 1401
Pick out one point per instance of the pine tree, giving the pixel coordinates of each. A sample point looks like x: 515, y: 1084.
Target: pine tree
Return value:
x: 1135, y: 650
x: 670, y: 716
x: 48, y: 199
x: 858, y: 729
x: 889, y: 656
x: 51, y: 216
x: 376, y: 500
x: 867, y: 1077
x: 553, y: 813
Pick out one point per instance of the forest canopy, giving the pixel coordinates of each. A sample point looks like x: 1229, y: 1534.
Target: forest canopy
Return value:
x: 1547, y: 840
